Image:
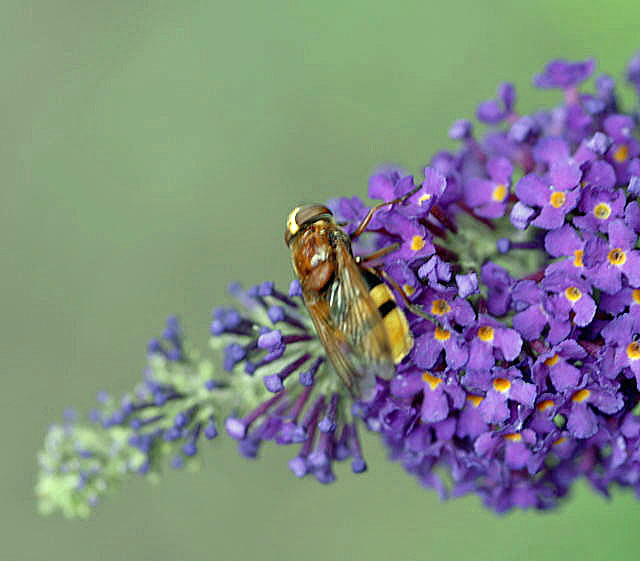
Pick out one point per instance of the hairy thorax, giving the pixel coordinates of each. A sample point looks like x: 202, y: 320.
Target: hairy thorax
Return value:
x: 314, y: 256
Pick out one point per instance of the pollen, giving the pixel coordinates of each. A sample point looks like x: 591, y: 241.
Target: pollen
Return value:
x: 573, y: 294
x: 485, y: 333
x: 417, y: 243
x: 635, y: 295
x: 552, y: 360
x: 441, y: 334
x: 602, y: 211
x: 513, y: 437
x: 475, y: 399
x: 423, y: 198
x: 580, y: 396
x: 440, y: 307
x: 501, y: 385
x: 621, y: 154
x: 545, y: 404
x: 617, y: 257
x: 557, y: 199
x: 633, y: 350
x: 433, y: 381
x: 560, y: 440
x: 578, y: 254
x: 499, y: 193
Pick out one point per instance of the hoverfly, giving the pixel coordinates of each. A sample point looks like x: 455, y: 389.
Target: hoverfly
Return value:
x: 363, y: 331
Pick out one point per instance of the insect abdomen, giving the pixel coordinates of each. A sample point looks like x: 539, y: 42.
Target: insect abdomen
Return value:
x: 393, y: 318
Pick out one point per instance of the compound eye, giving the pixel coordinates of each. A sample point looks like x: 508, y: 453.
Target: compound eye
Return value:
x: 311, y: 213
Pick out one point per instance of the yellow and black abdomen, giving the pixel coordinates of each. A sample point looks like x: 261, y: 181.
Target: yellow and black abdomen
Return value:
x: 393, y: 318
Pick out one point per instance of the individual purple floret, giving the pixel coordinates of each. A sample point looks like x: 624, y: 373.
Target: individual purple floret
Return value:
x: 493, y: 111
x: 489, y: 197
x: 563, y: 74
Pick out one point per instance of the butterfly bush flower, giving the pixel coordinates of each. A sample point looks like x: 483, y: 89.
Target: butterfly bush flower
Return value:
x: 517, y: 267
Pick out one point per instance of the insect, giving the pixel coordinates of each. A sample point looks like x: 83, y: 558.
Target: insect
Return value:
x: 364, y: 333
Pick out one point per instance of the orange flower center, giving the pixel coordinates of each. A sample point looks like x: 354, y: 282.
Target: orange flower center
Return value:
x: 485, y: 333
x: 602, y: 211
x: 440, y: 307
x: 621, y: 154
x: 577, y: 259
x: 501, y: 385
x: 441, y: 334
x: 432, y: 381
x: 557, y: 199
x: 408, y: 289
x: 423, y: 198
x: 499, y: 193
x: 417, y: 243
x: 580, y: 396
x: 545, y: 404
x: 552, y: 360
x: 633, y: 350
x: 617, y: 257
x: 573, y: 294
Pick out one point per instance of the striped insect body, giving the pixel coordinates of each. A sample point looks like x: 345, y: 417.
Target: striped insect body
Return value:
x: 355, y: 314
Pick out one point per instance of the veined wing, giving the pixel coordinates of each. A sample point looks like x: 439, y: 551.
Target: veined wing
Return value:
x: 351, y: 328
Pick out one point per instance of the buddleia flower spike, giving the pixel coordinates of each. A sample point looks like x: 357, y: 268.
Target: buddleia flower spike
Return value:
x: 516, y: 263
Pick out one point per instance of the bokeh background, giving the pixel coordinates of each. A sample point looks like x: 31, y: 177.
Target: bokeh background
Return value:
x: 149, y: 152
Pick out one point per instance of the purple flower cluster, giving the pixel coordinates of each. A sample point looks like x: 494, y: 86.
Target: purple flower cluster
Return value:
x: 521, y: 247
x: 529, y: 379
x: 298, y: 400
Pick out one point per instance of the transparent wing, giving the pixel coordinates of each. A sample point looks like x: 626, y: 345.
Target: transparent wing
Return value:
x: 336, y: 345
x: 351, y: 328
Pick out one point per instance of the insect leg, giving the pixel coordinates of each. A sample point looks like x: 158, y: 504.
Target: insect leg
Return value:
x: 365, y: 221
x: 417, y: 310
x: 377, y: 254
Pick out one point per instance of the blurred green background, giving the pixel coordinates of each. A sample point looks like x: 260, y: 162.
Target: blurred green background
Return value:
x: 149, y: 153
